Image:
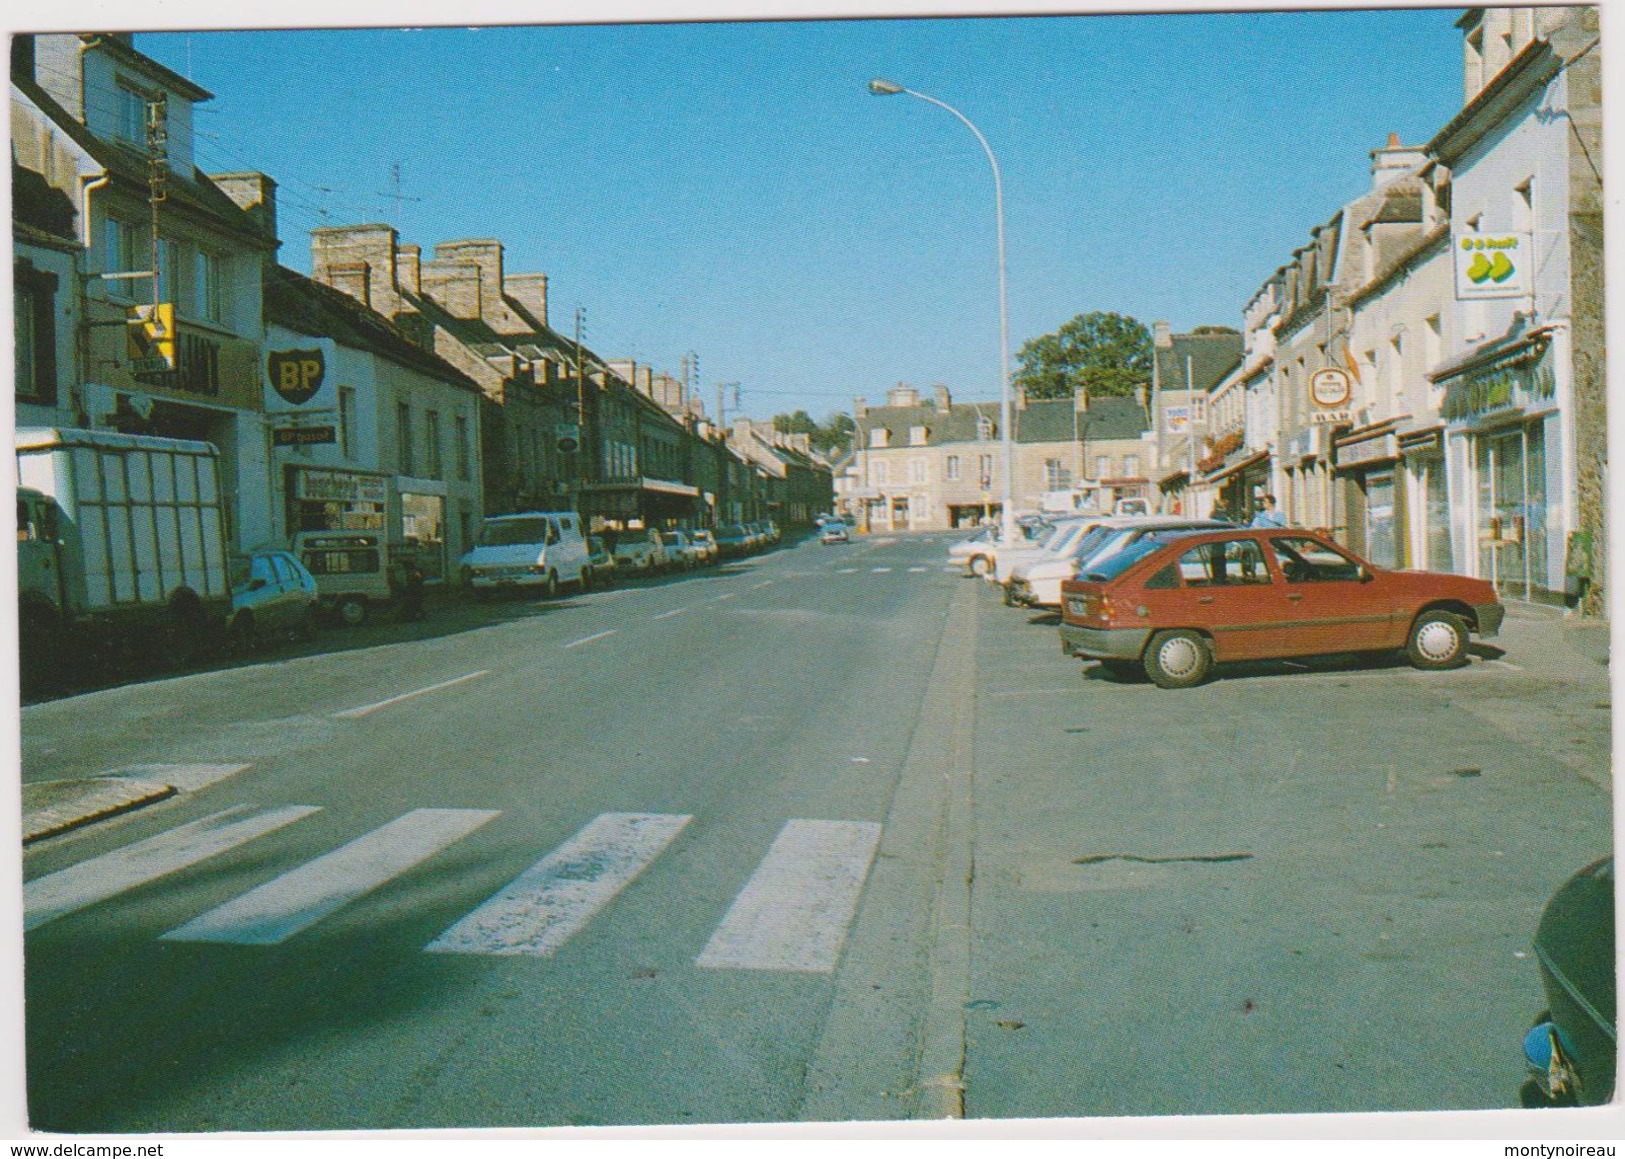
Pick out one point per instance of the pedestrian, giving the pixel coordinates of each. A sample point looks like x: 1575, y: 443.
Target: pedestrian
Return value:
x: 1267, y: 515
x: 406, y: 577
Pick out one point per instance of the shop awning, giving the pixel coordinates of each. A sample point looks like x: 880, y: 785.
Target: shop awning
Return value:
x: 1239, y: 465
x: 658, y: 486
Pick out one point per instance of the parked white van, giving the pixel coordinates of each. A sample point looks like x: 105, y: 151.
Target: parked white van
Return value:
x: 540, y: 549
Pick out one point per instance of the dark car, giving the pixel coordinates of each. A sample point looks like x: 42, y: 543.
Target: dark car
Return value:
x: 732, y: 541
x: 1177, y: 603
x: 1572, y: 1048
x: 272, y: 594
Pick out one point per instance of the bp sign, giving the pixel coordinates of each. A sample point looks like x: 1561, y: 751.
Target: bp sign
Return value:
x: 1493, y: 265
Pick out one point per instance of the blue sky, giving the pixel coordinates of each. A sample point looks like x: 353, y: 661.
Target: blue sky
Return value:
x: 733, y: 190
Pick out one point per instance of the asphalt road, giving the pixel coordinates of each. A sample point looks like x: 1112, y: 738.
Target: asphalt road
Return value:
x: 795, y: 839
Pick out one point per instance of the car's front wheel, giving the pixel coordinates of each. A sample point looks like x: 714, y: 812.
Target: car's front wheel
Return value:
x: 1438, y: 640
x: 1178, y: 659
x: 978, y: 566
x: 352, y: 611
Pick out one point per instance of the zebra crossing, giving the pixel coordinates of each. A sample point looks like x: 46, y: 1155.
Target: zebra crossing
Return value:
x: 792, y: 914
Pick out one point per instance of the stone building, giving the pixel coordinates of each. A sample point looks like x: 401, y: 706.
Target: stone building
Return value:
x: 1185, y: 369
x: 105, y: 131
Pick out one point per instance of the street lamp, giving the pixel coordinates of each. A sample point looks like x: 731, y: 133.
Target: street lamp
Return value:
x: 886, y: 88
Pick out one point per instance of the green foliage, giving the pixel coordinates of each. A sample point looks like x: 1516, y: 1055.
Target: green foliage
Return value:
x: 1107, y: 354
x: 833, y: 434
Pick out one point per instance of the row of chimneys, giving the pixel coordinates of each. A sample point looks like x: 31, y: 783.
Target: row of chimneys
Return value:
x: 903, y: 395
x: 465, y: 278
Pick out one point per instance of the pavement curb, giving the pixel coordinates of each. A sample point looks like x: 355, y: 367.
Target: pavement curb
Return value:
x: 53, y: 807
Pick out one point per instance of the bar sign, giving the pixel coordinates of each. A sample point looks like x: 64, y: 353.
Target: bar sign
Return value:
x: 303, y: 436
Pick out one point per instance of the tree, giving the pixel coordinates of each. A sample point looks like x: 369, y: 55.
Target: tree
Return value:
x: 1104, y: 353
x: 833, y: 434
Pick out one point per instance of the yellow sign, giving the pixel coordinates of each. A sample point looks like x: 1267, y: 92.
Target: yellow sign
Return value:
x: 149, y: 333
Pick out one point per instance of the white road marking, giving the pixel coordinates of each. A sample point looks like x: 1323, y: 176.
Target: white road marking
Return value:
x: 543, y: 907
x: 763, y: 584
x: 1029, y: 692
x: 879, y: 570
x: 668, y: 615
x: 917, y: 570
x: 185, y: 778
x: 794, y: 911
x: 727, y: 595
x: 845, y: 570
x: 591, y: 638
x: 367, y: 709
x: 50, y: 897
x: 280, y: 908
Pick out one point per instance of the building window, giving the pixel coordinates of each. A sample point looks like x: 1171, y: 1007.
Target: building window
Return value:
x: 951, y: 467
x: 987, y: 470
x: 210, y: 287
x: 1131, y: 466
x: 916, y: 470
x: 1103, y: 467
x: 1057, y: 476
x: 403, y: 436
x: 132, y: 116
x: 431, y: 436
x: 347, y: 421
x: 879, y: 436
x: 126, y: 251
x: 461, y: 430
x: 916, y: 436
x: 34, y: 312
x: 879, y: 471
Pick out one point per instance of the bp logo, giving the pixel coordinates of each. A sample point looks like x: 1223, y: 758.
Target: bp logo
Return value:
x: 296, y: 375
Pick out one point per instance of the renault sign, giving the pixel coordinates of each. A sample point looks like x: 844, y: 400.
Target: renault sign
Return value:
x: 1493, y: 265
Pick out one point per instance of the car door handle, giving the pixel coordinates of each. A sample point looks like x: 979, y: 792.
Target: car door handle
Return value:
x: 1204, y: 599
x: 1294, y: 596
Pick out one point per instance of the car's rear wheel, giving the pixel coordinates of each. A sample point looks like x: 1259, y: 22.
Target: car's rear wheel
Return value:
x: 243, y: 637
x: 1179, y: 658
x: 1438, y: 640
x: 978, y: 565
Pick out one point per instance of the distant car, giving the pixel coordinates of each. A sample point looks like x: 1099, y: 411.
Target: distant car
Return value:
x: 272, y: 594
x: 771, y: 530
x: 732, y: 540
x: 601, y: 559
x: 705, y: 544
x: 639, y: 551
x: 1572, y: 1048
x: 680, y: 552
x: 834, y: 532
x: 1177, y: 602
x: 1063, y: 535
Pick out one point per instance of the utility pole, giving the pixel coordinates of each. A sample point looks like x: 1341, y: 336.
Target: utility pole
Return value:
x: 395, y: 193
x: 157, y: 180
x: 581, y: 396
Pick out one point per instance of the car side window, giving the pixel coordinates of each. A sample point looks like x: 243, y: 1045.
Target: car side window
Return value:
x: 552, y: 532
x: 259, y: 568
x: 1227, y: 562
x: 1304, y: 560
x: 284, y: 571
x: 1168, y: 577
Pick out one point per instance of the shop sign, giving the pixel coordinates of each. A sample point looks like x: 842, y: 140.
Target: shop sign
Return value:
x: 1322, y: 418
x: 1330, y: 387
x: 1176, y: 419
x: 341, y: 487
x: 1379, y: 449
x: 1507, y: 387
x: 296, y: 375
x: 1493, y: 265
x: 1423, y: 443
x: 303, y: 436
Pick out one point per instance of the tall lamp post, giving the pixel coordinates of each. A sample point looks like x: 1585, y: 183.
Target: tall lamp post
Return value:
x: 886, y: 88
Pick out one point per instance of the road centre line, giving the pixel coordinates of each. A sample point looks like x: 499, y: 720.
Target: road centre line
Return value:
x: 543, y: 907
x: 279, y: 909
x: 67, y: 890
x: 725, y: 596
x: 667, y: 615
x: 1031, y: 692
x: 794, y: 912
x: 591, y: 638
x: 368, y: 709
x: 763, y: 584
x: 879, y: 570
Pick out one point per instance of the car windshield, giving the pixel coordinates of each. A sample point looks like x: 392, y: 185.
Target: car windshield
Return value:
x: 1090, y: 543
x: 508, y: 532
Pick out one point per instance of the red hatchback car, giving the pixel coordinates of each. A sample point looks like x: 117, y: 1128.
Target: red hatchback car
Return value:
x: 1178, y: 603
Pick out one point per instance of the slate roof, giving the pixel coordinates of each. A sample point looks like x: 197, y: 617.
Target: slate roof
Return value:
x: 1045, y: 421
x: 1212, y: 356
x: 308, y: 307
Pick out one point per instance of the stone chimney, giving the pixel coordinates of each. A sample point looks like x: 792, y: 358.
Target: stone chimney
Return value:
x: 530, y: 291
x: 944, y: 403
x: 486, y: 253
x: 860, y: 408
x: 255, y: 193
x: 454, y: 286
x: 341, y: 255
x: 741, y: 429
x: 902, y: 395
x: 1161, y: 336
x: 1018, y: 395
x: 408, y: 259
x: 800, y: 441
x: 1080, y: 399
x: 1394, y: 160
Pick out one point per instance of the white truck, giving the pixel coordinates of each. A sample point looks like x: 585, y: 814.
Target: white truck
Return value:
x: 120, y: 549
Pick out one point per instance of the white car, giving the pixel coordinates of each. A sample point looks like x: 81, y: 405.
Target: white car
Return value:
x: 979, y: 553
x: 1063, y: 537
x: 537, y: 549
x: 1038, y: 583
